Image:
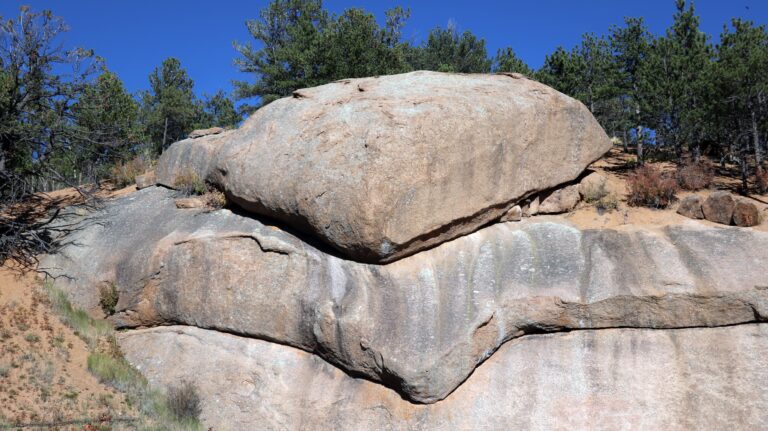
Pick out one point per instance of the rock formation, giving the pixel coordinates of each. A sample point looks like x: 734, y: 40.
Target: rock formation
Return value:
x: 383, y: 291
x: 610, y: 379
x: 390, y: 151
x: 422, y: 324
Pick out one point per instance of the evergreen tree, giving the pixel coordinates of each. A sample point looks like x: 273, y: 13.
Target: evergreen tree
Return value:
x: 507, y: 61
x: 39, y: 83
x: 741, y: 108
x: 447, y: 50
x: 291, y: 35
x: 170, y: 107
x: 630, y: 45
x: 356, y: 46
x: 303, y: 46
x: 219, y: 111
x: 560, y: 71
x: 677, y: 85
x: 106, y: 116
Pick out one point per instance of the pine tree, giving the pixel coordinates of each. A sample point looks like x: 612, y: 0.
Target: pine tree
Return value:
x: 106, y: 116
x: 170, y: 107
x: 507, y: 61
x: 677, y: 85
x: 741, y: 108
x: 447, y: 50
x: 630, y: 45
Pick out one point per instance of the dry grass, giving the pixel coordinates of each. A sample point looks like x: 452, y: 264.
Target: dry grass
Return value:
x: 124, y: 173
x: 189, y: 183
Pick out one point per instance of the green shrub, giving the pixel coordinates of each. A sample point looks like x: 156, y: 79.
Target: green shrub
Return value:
x: 108, y: 297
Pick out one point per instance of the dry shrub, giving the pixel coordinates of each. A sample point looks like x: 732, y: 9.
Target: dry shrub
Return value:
x: 215, y: 199
x: 124, y: 173
x: 695, y: 175
x: 189, y: 183
x: 762, y: 181
x: 649, y: 187
x: 184, y: 401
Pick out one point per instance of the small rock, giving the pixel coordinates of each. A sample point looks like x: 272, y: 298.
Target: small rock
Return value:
x: 145, y: 180
x: 81, y: 212
x: 745, y: 214
x: 531, y: 208
x: 690, y: 207
x: 560, y: 201
x: 188, y: 203
x: 514, y: 214
x: 592, y: 186
x: 205, y: 132
x: 718, y: 207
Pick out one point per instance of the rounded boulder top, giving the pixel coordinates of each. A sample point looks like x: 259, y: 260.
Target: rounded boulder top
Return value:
x: 383, y: 167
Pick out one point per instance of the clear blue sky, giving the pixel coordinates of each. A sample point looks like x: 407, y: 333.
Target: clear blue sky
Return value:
x: 134, y: 36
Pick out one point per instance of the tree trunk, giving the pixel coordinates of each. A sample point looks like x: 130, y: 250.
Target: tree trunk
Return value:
x: 743, y: 164
x: 626, y: 141
x: 639, y: 145
x: 756, y: 144
x: 165, y: 133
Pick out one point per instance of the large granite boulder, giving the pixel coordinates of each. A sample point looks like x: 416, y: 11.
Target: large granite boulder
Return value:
x: 422, y: 324
x: 610, y: 379
x: 380, y: 168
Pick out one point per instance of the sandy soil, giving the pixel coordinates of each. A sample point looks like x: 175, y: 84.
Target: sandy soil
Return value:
x: 43, y: 365
x: 614, y: 166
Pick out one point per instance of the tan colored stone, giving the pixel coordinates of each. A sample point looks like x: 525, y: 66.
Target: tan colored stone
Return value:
x: 514, y: 214
x: 561, y: 200
x: 380, y: 168
x: 145, y: 180
x: 199, y: 133
x: 612, y: 379
x: 531, y: 207
x: 718, y: 207
x: 745, y: 214
x: 690, y: 207
x: 190, y: 203
x: 593, y: 186
x: 188, y: 157
x: 421, y: 324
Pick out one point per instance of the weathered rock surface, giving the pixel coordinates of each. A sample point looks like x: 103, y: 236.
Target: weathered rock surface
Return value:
x: 561, y: 200
x: 718, y: 207
x: 690, y: 207
x: 514, y: 214
x: 189, y: 203
x: 593, y: 186
x: 612, y: 379
x: 190, y: 156
x: 423, y: 323
x: 199, y: 133
x: 380, y: 168
x: 745, y: 214
x: 146, y: 180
